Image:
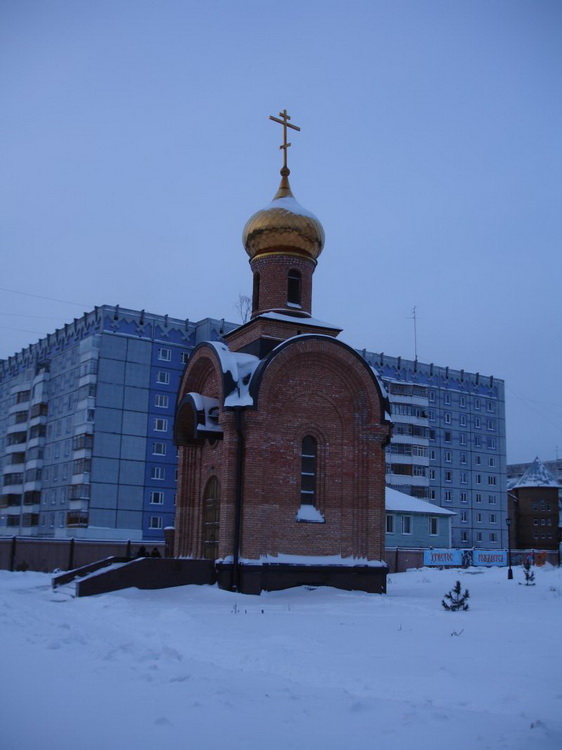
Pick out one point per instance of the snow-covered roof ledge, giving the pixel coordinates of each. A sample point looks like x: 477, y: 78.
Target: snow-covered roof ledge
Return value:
x: 320, y: 560
x: 237, y: 369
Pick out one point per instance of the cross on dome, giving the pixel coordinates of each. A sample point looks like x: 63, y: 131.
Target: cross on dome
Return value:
x: 286, y: 124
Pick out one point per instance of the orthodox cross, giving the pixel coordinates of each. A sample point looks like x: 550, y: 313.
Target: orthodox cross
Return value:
x: 286, y: 124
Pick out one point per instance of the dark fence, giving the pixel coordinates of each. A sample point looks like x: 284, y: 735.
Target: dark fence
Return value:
x: 47, y: 555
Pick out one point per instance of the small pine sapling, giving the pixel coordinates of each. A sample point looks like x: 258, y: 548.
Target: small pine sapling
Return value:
x: 529, y: 574
x: 456, y: 599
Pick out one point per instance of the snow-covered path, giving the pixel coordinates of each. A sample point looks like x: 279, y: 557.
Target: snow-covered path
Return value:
x: 199, y: 667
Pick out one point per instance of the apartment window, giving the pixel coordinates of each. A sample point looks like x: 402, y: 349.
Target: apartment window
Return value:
x: 389, y: 524
x: 157, y: 498
x: 489, y: 406
x: 462, y: 420
x: 462, y: 402
x: 477, y: 403
x: 433, y: 526
x: 406, y: 524
x: 432, y: 495
x: 431, y: 415
x: 81, y: 466
x: 492, y: 480
x: 161, y: 401
x: 464, y: 516
x: 447, y: 437
x: 432, y: 473
x: 479, y: 536
x: 477, y: 460
x: 464, y: 478
x: 476, y: 423
x: 184, y: 358
x: 478, y: 497
x: 447, y: 417
x: 491, y: 461
x: 490, y: 424
x: 157, y: 472
x: 464, y: 537
x: 493, y: 518
x: 160, y: 425
x: 431, y: 395
x: 462, y: 438
x: 492, y: 443
x: 165, y: 354
x: 479, y: 517
x: 492, y: 499
x: 155, y: 522
x: 158, y: 449
x: 419, y: 471
x: 464, y: 497
x: 463, y: 458
x: 432, y: 455
x: 493, y: 536
x: 448, y: 456
x: 447, y: 398
x: 448, y: 496
x: 448, y: 476
x: 163, y: 377
x: 478, y: 478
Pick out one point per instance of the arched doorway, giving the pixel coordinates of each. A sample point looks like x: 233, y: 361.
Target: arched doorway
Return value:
x: 211, y: 519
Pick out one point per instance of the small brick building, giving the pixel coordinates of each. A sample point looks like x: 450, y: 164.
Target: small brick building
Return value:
x: 534, y: 509
x: 281, y: 432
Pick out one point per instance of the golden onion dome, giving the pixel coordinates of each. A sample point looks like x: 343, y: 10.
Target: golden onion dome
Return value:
x: 283, y: 226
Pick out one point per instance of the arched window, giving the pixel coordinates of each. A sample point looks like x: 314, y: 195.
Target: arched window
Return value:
x: 309, y: 460
x: 294, y: 283
x: 211, y: 519
x: 256, y: 293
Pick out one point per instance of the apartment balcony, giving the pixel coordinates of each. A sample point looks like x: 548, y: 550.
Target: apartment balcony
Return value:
x: 34, y: 463
x: 79, y: 504
x: 410, y: 440
x: 421, y: 421
x: 76, y: 519
x: 405, y: 480
x: 12, y: 500
x: 413, y: 400
x: 12, y: 485
x: 16, y: 428
x: 17, y: 408
x: 32, y: 486
x: 407, y: 459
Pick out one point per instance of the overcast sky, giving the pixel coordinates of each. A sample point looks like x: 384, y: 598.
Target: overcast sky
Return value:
x: 136, y: 143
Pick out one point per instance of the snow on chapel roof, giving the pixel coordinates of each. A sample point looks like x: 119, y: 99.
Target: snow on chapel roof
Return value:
x: 537, y: 475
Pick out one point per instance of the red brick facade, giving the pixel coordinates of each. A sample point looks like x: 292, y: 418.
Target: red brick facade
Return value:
x: 535, y: 517
x: 243, y: 414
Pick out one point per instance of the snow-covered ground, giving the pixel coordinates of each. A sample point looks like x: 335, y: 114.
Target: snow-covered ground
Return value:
x: 195, y: 667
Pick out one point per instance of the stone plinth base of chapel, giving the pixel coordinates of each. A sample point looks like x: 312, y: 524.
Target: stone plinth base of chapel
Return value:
x: 252, y: 579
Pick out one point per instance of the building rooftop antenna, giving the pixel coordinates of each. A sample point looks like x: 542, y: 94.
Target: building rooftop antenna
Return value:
x: 414, y: 318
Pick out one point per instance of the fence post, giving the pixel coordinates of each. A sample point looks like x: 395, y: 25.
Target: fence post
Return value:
x: 71, y: 555
x: 13, y: 555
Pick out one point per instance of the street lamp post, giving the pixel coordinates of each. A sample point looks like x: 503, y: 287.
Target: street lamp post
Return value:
x: 509, y: 570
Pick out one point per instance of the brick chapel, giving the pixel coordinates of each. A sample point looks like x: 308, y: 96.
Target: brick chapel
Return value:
x: 281, y: 430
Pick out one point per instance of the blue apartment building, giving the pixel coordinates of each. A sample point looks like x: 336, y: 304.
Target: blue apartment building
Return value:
x: 448, y: 444
x: 86, y: 418
x: 86, y: 432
